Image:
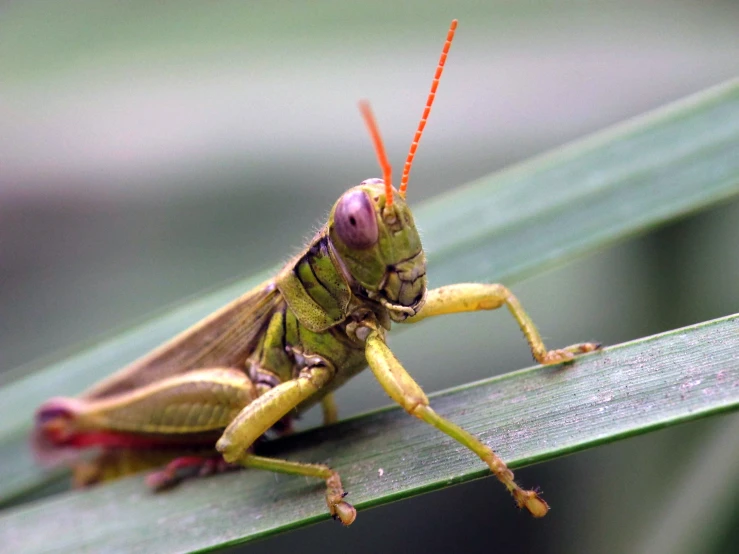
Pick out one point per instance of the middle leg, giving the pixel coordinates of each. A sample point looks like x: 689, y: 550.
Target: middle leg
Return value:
x: 260, y: 415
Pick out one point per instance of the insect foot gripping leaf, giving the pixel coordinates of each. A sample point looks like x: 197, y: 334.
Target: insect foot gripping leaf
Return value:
x: 200, y: 403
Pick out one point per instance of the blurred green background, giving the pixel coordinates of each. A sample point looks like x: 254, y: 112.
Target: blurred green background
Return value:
x: 149, y: 151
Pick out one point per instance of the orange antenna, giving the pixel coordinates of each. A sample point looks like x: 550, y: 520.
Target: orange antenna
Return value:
x: 427, y: 109
x: 374, y: 130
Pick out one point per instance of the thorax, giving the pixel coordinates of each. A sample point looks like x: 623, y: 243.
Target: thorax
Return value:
x: 317, y: 322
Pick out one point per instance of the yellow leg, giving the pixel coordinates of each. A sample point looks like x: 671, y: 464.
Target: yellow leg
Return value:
x: 472, y: 297
x: 405, y: 391
x: 341, y: 510
x: 256, y: 418
x: 329, y: 409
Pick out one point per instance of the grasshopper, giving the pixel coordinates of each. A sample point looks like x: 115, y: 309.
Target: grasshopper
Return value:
x: 199, y: 403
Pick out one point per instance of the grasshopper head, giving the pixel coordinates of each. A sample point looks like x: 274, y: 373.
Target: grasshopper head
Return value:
x: 379, y: 248
x: 371, y: 227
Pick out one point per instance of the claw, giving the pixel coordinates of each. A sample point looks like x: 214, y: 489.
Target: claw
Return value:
x: 345, y: 513
x: 590, y: 347
x: 557, y: 357
x: 566, y: 355
x: 534, y: 503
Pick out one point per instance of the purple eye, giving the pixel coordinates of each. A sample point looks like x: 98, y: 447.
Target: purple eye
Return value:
x: 355, y: 220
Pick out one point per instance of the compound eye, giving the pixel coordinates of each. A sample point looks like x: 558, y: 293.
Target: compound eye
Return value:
x: 355, y: 220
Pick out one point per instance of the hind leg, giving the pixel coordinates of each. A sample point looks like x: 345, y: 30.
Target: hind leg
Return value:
x: 168, y: 422
x: 115, y: 463
x: 176, y: 412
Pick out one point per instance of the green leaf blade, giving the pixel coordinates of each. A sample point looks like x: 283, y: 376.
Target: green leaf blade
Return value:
x: 528, y: 416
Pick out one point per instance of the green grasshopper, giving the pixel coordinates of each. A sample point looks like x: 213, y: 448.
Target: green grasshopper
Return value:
x: 285, y: 346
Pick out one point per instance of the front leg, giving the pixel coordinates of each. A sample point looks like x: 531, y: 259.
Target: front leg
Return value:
x: 472, y: 297
x: 405, y: 391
